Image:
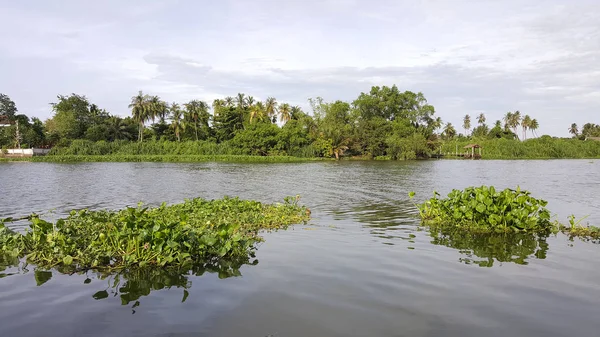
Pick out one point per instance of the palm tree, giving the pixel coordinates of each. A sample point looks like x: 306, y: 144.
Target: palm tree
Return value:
x: 118, y: 128
x: 525, y: 124
x: 515, y: 121
x: 449, y: 131
x: 139, y: 111
x: 285, y: 113
x: 467, y: 123
x: 481, y: 119
x: 250, y: 101
x: 195, y: 110
x: 176, y: 120
x: 296, y: 112
x: 534, y: 125
x: 160, y: 108
x: 217, y: 105
x: 257, y: 111
x: 498, y: 124
x: 229, y: 101
x: 507, y: 120
x: 271, y: 107
x: 574, y: 130
x: 154, y: 106
x: 241, y: 101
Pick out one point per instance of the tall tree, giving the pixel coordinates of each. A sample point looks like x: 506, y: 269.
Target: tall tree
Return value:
x: 285, y: 112
x: 525, y: 124
x: 7, y: 107
x: 467, y: 124
x: 257, y: 111
x: 196, y: 111
x: 177, y: 122
x: 449, y: 131
x: 140, y: 111
x: 271, y: 107
x: 515, y: 121
x: 574, y: 130
x: 534, y: 125
x: 481, y: 119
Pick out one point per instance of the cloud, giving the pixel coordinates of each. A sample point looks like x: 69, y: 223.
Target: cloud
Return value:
x: 539, y: 57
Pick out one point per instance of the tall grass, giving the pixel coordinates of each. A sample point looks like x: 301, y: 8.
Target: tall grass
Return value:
x: 544, y: 147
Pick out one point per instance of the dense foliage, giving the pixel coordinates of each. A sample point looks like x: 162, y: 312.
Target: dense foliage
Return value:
x: 383, y: 123
x: 197, y: 231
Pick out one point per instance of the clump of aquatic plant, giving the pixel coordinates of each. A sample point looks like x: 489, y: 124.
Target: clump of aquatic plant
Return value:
x: 575, y: 229
x: 195, y: 231
x: 484, y: 209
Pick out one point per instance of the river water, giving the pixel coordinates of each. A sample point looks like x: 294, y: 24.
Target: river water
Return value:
x: 361, y: 267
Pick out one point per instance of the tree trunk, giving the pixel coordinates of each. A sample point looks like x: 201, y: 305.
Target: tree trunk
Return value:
x: 196, y: 125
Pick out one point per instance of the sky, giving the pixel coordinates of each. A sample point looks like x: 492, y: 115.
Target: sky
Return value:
x: 541, y: 57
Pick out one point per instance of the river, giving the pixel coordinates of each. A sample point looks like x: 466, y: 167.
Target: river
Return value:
x: 361, y: 267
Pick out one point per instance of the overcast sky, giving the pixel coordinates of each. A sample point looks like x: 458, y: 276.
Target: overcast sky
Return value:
x: 541, y: 57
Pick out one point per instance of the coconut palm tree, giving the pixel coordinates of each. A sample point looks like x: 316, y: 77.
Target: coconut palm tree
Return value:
x: 196, y: 110
x: 574, y: 130
x: 507, y: 120
x: 296, y: 112
x: 271, y: 107
x: 217, y: 105
x: 525, y: 124
x: 467, y: 124
x: 250, y: 101
x: 229, y: 101
x: 285, y: 112
x: 139, y: 110
x: 515, y: 121
x: 481, y: 119
x: 449, y: 131
x: 241, y: 101
x: 257, y: 111
x: 177, y: 122
x: 534, y: 125
x: 160, y: 108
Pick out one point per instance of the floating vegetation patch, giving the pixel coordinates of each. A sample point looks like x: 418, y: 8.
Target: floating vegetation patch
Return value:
x: 197, y: 231
x: 487, y: 210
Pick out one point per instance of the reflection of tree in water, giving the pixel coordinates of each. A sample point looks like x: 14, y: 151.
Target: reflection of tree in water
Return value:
x: 484, y: 249
x: 132, y: 284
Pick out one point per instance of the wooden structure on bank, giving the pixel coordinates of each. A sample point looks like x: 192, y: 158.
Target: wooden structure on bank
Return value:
x: 473, y: 154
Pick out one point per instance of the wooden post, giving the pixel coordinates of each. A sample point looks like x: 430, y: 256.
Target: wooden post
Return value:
x: 473, y: 152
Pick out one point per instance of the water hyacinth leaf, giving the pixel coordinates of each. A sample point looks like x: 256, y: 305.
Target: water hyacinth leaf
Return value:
x: 42, y: 277
x: 100, y: 295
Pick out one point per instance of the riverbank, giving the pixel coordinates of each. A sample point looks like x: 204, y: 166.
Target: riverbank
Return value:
x: 160, y: 158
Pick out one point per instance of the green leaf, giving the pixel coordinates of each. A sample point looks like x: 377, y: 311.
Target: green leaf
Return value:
x: 68, y: 260
x: 481, y: 208
x: 100, y: 295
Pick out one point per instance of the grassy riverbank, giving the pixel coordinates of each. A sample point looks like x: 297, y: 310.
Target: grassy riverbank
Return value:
x: 538, y: 148
x: 161, y: 158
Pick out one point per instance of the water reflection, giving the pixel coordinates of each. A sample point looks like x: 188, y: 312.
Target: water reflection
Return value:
x: 132, y: 284
x: 396, y: 223
x: 486, y: 249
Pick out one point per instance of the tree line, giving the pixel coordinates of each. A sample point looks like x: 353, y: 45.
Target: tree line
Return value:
x: 383, y: 122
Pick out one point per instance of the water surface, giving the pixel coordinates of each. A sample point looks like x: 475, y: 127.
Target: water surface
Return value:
x: 361, y: 267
